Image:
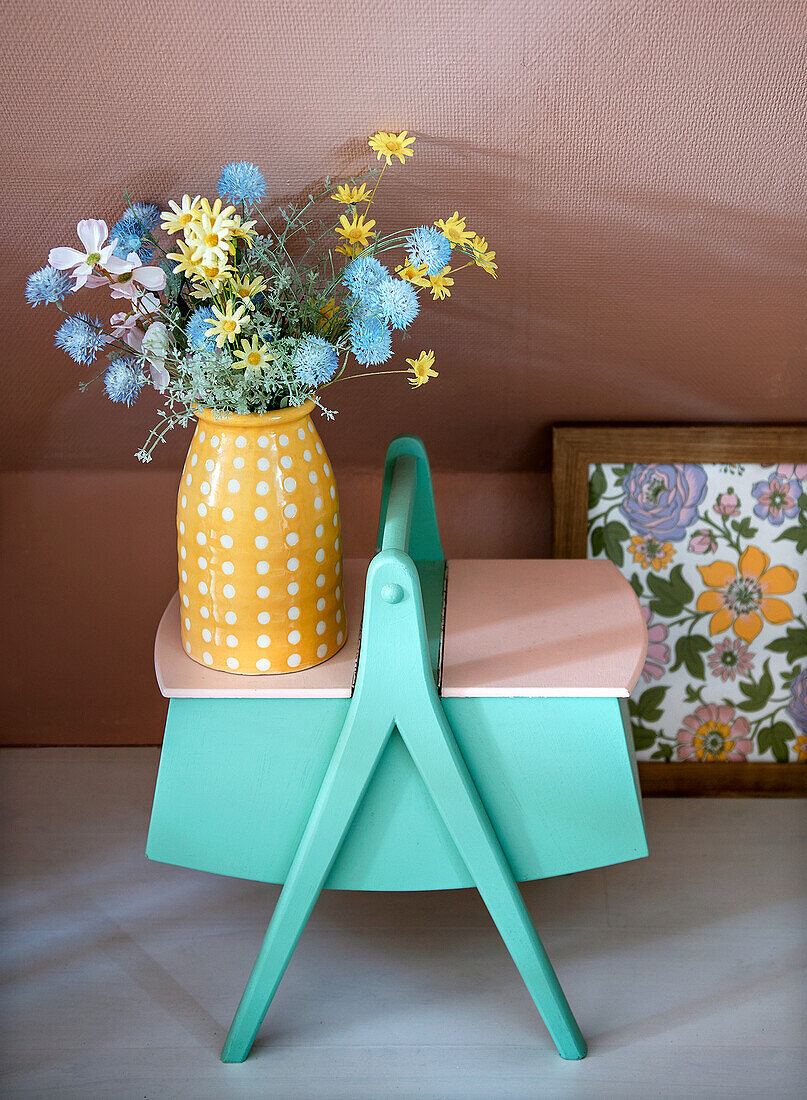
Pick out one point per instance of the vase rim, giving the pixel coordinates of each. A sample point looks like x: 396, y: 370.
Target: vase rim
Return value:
x: 254, y: 420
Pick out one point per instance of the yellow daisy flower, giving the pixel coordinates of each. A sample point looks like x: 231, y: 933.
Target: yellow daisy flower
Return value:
x: 215, y: 211
x: 648, y: 552
x: 326, y: 311
x: 245, y: 288
x: 226, y: 324
x: 253, y: 357
x: 482, y: 257
x: 242, y: 230
x: 175, y: 219
x: 454, y: 229
x: 440, y: 283
x: 351, y: 195
x: 186, y: 264
x: 412, y: 274
x: 742, y: 596
x: 355, y: 232
x: 421, y: 369
x: 391, y: 145
x: 349, y: 250
x: 210, y: 238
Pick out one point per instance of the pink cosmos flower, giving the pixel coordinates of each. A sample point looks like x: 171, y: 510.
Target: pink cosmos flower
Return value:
x: 728, y: 504
x: 126, y: 328
x: 792, y: 469
x: 729, y: 658
x: 658, y: 654
x: 92, y: 234
x: 713, y: 733
x: 132, y: 282
x: 702, y: 542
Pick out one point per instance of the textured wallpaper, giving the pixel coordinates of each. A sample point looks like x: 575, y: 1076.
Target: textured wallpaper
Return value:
x: 638, y: 167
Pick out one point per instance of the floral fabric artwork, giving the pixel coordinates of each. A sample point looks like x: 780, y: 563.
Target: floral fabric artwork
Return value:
x: 717, y: 555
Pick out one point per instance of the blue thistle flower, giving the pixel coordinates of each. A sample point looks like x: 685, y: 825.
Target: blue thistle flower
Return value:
x: 196, y: 329
x: 130, y: 232
x: 370, y: 340
x: 363, y: 276
x: 47, y: 285
x: 242, y: 182
x: 146, y: 213
x: 397, y: 302
x: 426, y: 245
x: 123, y: 381
x: 81, y: 337
x: 315, y: 361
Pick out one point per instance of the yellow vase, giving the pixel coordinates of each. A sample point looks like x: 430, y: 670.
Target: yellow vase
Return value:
x: 259, y: 540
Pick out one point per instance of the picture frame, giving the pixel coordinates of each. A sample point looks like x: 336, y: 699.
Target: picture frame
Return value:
x: 579, y: 448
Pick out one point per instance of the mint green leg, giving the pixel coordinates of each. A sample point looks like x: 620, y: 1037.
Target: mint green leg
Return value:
x: 354, y: 760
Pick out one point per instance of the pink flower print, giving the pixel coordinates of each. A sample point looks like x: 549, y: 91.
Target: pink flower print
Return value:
x: 777, y: 498
x: 790, y: 470
x: 727, y: 504
x: 712, y: 734
x: 702, y: 542
x: 729, y: 659
x: 658, y: 654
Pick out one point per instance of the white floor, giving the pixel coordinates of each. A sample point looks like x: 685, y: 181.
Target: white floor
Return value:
x: 685, y: 970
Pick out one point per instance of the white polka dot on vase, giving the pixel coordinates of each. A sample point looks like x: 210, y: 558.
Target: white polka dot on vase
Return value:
x: 317, y: 503
x: 228, y: 591
x: 209, y: 465
x: 336, y: 544
x: 184, y: 501
x: 187, y: 624
x: 310, y: 427
x: 262, y: 592
x: 289, y: 484
x: 332, y: 492
x: 241, y: 441
x: 201, y: 562
x: 312, y: 477
x: 183, y: 553
x: 262, y: 567
x: 339, y: 616
x: 292, y: 564
x: 185, y: 600
x: 227, y: 514
x: 320, y: 604
x: 293, y: 612
x: 300, y: 433
x: 201, y: 437
x: 320, y: 580
x: 321, y: 627
x: 201, y: 538
x: 338, y: 568
x: 338, y: 592
x: 204, y: 612
x: 203, y: 588
x: 204, y: 488
x: 292, y: 538
x: 226, y: 541
x: 283, y: 440
x: 285, y: 462
x: 232, y: 641
x: 181, y: 527
x: 214, y: 441
x: 206, y: 634
x: 194, y: 460
x: 339, y: 638
x: 228, y: 568
x: 230, y: 617
x: 260, y: 514
x: 290, y: 511
x: 207, y: 658
x: 264, y: 641
x: 263, y: 664
x: 319, y: 448
x: 307, y: 456
x: 201, y: 509
x: 187, y: 647
x: 232, y: 662
x: 325, y: 469
x: 188, y: 479
x: 261, y: 542
x: 293, y: 637
x: 233, y: 485
x: 262, y: 488
x: 293, y: 588
x: 319, y: 530
x: 320, y: 554
x: 322, y: 650
x: 238, y: 463
x: 263, y: 441
x: 263, y: 464
x: 293, y: 660
x: 336, y: 521
x: 264, y: 617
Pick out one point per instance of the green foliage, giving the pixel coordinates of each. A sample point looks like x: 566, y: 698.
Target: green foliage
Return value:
x: 609, y: 538
x: 756, y: 692
x: 670, y: 595
x: 798, y: 533
x: 744, y: 527
x: 636, y: 585
x: 774, y: 739
x: 596, y: 486
x: 663, y: 752
x: 688, y: 651
x: 794, y: 644
x: 647, y: 707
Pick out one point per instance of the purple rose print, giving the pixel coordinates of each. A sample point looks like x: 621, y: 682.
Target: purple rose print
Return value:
x: 798, y: 700
x: 777, y: 498
x: 662, y: 499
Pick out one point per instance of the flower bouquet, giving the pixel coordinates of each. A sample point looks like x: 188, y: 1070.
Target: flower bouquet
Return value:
x: 241, y: 322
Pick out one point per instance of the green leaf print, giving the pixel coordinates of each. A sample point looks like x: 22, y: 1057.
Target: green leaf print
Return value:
x: 647, y: 707
x: 613, y: 534
x: 671, y: 594
x: 688, y: 650
x: 757, y: 692
x: 775, y: 738
x: 596, y: 487
x: 794, y: 644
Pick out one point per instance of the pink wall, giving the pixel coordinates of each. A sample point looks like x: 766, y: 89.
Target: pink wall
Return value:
x: 639, y: 168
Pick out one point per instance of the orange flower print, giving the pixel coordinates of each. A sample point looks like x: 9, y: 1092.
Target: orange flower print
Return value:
x: 648, y: 551
x: 741, y: 596
x: 801, y: 748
